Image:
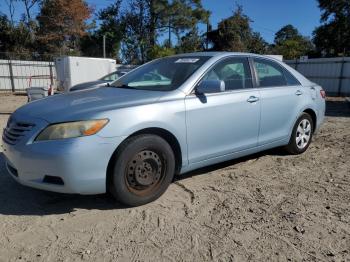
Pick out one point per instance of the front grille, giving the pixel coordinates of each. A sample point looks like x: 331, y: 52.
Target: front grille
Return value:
x: 14, y: 131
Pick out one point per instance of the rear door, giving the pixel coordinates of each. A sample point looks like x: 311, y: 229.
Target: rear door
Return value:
x: 225, y: 122
x: 281, y: 99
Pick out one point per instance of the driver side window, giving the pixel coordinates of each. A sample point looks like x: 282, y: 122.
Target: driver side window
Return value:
x: 235, y: 72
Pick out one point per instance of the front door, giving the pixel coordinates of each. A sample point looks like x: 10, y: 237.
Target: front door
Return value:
x: 223, y: 123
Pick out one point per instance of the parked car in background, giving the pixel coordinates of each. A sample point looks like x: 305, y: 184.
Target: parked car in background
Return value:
x: 103, y: 81
x: 73, y: 70
x: 167, y: 117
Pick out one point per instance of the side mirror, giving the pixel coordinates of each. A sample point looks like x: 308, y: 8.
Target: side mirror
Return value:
x: 210, y: 86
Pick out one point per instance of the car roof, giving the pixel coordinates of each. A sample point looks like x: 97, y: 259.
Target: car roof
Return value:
x: 222, y: 54
x: 216, y: 53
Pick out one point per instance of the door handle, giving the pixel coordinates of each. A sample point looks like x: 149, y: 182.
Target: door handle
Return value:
x: 298, y: 93
x: 253, y: 99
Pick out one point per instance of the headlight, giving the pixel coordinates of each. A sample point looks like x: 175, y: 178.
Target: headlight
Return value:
x: 71, y: 129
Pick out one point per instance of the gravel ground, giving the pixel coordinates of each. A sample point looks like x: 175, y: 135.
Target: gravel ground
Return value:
x: 269, y: 206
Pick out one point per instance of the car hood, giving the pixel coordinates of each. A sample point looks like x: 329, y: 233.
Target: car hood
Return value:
x: 85, y: 104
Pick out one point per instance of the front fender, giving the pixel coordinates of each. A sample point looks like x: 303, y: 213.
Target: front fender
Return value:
x: 169, y: 116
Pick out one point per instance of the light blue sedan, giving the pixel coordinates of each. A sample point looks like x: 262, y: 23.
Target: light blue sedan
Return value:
x: 167, y: 117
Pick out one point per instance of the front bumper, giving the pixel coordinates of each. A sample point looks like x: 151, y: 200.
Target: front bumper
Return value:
x: 81, y: 163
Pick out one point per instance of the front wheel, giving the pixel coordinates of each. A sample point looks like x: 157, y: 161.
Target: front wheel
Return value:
x: 143, y: 170
x: 301, y: 135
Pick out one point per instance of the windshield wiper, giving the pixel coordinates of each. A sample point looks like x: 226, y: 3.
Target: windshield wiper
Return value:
x: 124, y: 86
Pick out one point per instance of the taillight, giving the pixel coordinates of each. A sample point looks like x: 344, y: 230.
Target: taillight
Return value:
x: 323, y: 93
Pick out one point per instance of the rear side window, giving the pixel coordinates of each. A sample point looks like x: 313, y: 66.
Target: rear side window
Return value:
x: 270, y: 74
x: 291, y: 80
x: 235, y: 72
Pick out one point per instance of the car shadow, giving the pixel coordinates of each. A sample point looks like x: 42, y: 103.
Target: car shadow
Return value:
x: 16, y: 199
x: 222, y: 165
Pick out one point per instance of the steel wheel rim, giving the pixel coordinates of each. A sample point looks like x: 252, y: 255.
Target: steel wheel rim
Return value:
x: 303, y: 134
x: 145, y: 172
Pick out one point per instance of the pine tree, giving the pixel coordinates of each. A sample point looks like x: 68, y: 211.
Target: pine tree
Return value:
x: 332, y: 38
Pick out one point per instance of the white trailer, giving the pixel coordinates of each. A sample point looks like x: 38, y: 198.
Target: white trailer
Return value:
x: 72, y: 70
x: 277, y: 57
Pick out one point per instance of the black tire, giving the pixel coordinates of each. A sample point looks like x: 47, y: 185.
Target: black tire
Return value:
x: 293, y: 147
x: 143, y: 170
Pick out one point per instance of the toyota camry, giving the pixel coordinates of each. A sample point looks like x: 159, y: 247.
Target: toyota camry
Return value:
x: 165, y: 118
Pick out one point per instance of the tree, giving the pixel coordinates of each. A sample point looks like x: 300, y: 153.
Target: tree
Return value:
x: 5, y: 34
x: 28, y: 5
x: 27, y: 16
x: 191, y: 42
x: 235, y: 34
x: 287, y: 32
x: 258, y: 45
x: 22, y: 41
x: 15, y: 39
x: 156, y: 13
x: 112, y: 27
x: 290, y: 43
x: 183, y: 17
x: 333, y: 36
x: 138, y: 32
x: 61, y: 25
x: 158, y: 51
x: 146, y: 20
x: 11, y: 6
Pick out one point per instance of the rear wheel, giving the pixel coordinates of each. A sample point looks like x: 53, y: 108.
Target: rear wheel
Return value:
x: 143, y: 170
x: 301, y: 135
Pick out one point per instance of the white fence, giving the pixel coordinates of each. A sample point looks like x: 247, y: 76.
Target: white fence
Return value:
x: 333, y: 74
x: 17, y: 75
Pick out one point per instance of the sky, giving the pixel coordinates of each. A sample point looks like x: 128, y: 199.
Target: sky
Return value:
x: 268, y: 15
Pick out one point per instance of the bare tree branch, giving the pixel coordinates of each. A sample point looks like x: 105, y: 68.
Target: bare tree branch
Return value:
x: 29, y: 4
x: 11, y: 7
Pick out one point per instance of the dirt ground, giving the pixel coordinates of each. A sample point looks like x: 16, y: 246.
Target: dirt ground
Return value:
x: 266, y: 207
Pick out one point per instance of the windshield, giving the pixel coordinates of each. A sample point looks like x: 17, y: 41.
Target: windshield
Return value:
x: 164, y: 74
x: 112, y: 76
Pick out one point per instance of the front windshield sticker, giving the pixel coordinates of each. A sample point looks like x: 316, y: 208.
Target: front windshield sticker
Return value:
x: 187, y: 60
